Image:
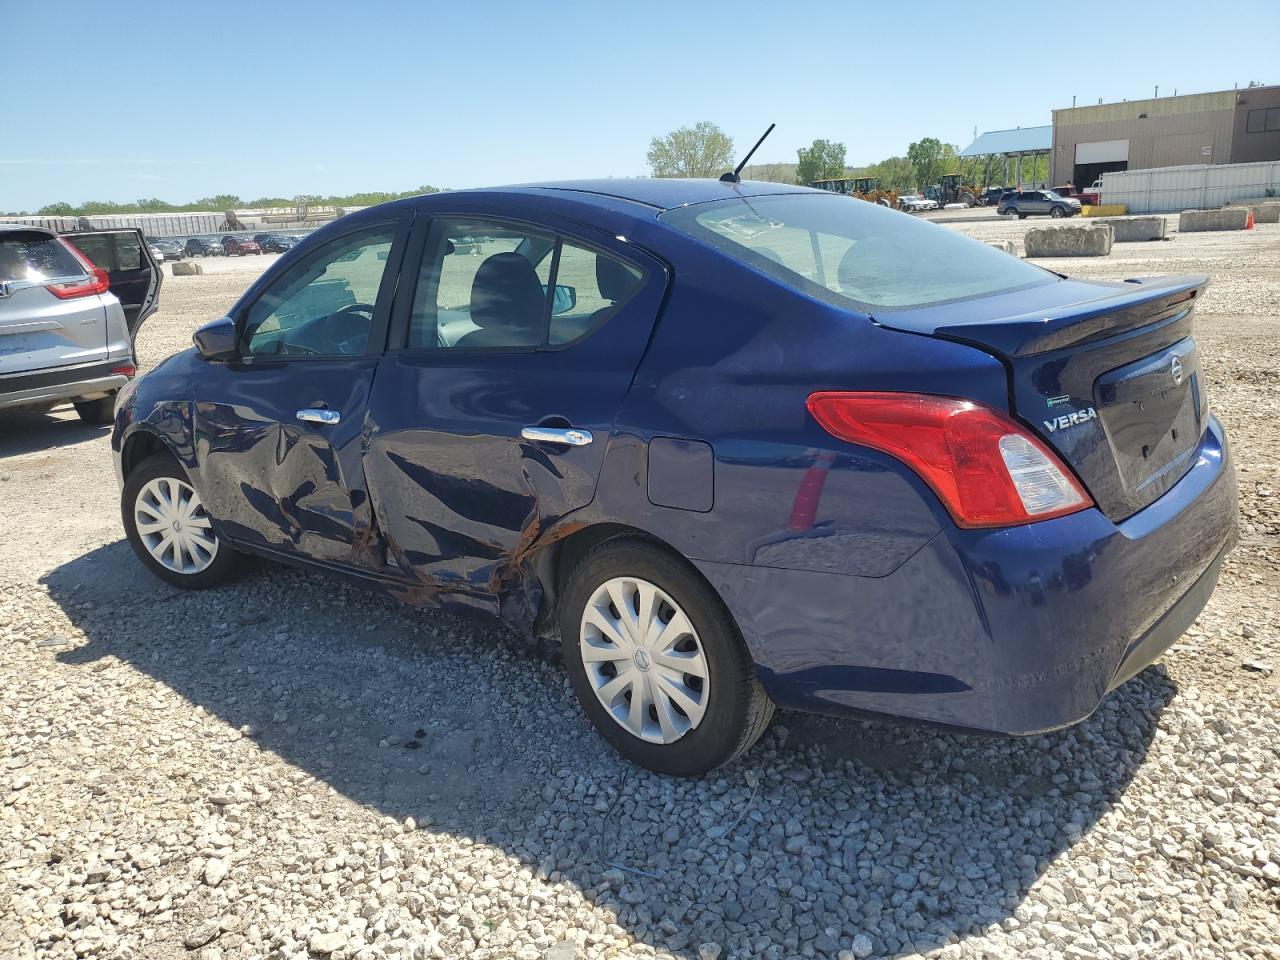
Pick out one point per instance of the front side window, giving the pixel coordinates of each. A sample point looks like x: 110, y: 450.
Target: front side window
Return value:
x: 492, y: 285
x: 854, y: 254
x: 323, y: 305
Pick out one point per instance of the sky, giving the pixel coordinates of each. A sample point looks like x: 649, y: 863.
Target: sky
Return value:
x: 186, y: 100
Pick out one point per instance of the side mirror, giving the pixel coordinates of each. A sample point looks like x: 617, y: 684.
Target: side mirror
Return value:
x: 216, y: 340
x: 563, y: 299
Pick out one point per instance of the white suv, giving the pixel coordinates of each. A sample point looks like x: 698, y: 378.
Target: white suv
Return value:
x: 70, y: 307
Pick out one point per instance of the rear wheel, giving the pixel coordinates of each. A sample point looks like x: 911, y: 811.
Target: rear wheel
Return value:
x: 657, y: 662
x: 168, y: 527
x: 97, y: 411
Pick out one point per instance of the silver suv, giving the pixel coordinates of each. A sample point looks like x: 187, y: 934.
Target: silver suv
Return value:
x: 70, y: 307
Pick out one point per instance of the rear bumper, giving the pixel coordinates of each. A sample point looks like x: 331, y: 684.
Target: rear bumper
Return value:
x: 58, y: 384
x: 1016, y: 630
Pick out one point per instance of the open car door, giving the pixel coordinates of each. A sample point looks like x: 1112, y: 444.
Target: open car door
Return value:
x: 135, y: 276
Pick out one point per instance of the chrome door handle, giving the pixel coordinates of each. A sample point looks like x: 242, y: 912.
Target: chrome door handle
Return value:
x: 569, y: 436
x: 319, y: 415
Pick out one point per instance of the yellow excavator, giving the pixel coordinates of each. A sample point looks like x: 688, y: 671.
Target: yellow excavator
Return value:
x: 863, y: 188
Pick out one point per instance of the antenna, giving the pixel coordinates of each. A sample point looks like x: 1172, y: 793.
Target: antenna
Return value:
x: 733, y: 177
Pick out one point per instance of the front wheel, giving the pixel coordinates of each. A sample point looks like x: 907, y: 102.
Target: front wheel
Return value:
x: 168, y: 527
x: 657, y: 662
x: 1057, y: 213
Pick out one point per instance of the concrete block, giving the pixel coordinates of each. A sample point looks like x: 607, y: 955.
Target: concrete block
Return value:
x: 186, y: 268
x: 1083, y: 240
x: 1008, y: 246
x: 1133, y: 229
x: 1266, y: 213
x: 1228, y: 218
x: 1103, y: 210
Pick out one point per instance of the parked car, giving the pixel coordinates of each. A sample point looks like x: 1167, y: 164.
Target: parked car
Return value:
x: 198, y: 247
x: 156, y: 253
x: 915, y: 203
x: 272, y: 243
x: 239, y: 247
x: 730, y: 445
x: 1028, y: 203
x: 1090, y: 196
x: 172, y: 249
x: 992, y: 195
x: 69, y: 310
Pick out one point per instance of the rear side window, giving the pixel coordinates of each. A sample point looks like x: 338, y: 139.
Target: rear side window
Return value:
x: 35, y: 256
x: 491, y: 285
x: 853, y: 253
x: 113, y: 252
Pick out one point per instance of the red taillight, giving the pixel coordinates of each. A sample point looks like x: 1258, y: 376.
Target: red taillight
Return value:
x: 97, y: 280
x: 125, y: 370
x: 988, y: 470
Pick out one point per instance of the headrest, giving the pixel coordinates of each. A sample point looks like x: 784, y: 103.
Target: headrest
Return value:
x: 615, y: 281
x: 506, y: 292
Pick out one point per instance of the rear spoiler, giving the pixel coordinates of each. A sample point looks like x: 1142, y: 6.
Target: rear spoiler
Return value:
x: 1151, y: 300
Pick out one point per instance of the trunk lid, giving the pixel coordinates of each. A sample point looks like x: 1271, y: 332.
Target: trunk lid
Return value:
x: 1107, y: 374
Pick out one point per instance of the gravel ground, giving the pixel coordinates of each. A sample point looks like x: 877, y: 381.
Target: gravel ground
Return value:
x: 291, y: 768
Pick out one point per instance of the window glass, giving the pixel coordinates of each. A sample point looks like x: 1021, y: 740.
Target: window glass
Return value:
x: 323, y: 305
x: 854, y: 253
x: 35, y: 256
x: 1273, y: 119
x: 1255, y: 121
x: 590, y: 287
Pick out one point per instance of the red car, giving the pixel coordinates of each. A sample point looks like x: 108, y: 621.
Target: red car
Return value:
x: 238, y: 247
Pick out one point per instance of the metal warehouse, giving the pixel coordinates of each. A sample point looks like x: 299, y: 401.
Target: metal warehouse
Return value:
x: 1230, y: 126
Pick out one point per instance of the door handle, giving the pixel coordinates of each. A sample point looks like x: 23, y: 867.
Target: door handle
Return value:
x: 569, y: 436
x: 318, y: 415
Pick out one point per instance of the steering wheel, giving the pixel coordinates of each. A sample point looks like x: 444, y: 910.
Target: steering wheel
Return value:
x: 339, y: 341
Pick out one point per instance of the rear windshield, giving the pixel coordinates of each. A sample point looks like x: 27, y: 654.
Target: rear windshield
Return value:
x: 35, y: 256
x: 851, y: 252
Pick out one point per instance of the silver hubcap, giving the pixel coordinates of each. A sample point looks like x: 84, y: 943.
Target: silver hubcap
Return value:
x: 173, y: 526
x: 644, y: 660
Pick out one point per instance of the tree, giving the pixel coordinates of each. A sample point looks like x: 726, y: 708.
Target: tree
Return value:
x: 895, y: 173
x: 703, y: 150
x: 57, y: 210
x: 926, y: 160
x: 822, y: 161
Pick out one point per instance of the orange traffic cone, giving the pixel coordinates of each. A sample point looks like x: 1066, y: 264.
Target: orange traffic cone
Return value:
x: 1248, y: 224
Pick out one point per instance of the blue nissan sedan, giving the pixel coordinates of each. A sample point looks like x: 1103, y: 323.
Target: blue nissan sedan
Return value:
x: 730, y: 445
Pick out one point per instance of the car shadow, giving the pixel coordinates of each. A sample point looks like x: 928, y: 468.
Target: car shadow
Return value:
x: 827, y: 829
x: 25, y: 431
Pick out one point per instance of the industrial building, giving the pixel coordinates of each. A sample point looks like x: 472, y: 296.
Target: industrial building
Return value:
x: 1230, y: 126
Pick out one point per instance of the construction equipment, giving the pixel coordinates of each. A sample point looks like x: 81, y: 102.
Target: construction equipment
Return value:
x: 952, y: 189
x: 861, y: 188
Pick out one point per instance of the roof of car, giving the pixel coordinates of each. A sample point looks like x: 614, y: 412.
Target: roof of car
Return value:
x: 661, y: 193
x: 25, y: 227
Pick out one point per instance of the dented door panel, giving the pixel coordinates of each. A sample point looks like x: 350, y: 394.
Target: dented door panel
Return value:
x: 279, y: 483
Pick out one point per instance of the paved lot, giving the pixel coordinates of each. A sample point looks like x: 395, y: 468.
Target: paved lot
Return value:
x: 290, y: 768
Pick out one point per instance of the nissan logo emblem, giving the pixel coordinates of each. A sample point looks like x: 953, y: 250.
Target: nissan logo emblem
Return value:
x: 1175, y: 368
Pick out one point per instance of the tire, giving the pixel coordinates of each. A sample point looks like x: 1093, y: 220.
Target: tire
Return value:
x: 1057, y: 213
x: 735, y: 709
x: 98, y: 411
x: 138, y: 500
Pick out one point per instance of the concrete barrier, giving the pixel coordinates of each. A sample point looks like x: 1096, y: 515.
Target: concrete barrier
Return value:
x: 1008, y: 246
x: 1084, y: 240
x: 1266, y: 213
x: 1228, y: 218
x: 1135, y: 229
x: 186, y: 268
x: 1103, y: 210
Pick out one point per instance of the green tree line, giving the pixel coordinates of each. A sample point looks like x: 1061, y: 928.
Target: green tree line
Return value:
x: 705, y: 150
x: 217, y: 203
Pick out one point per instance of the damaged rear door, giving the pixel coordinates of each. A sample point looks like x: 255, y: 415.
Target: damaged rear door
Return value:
x: 279, y: 429
x: 491, y: 420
